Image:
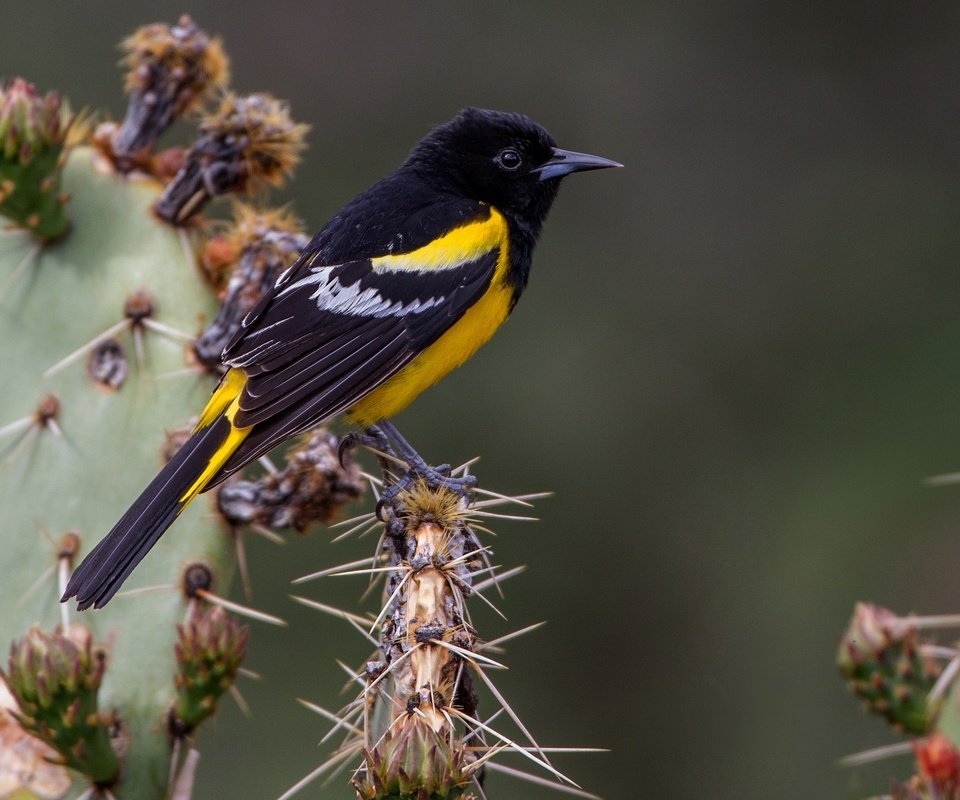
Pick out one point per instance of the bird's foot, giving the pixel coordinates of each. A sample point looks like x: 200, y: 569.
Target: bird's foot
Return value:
x: 395, y: 451
x: 437, y: 478
x: 369, y: 439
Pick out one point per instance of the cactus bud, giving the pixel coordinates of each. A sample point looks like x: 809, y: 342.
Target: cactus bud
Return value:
x: 209, y: 651
x: 55, y: 679
x: 938, y: 762
x: 33, y: 132
x: 170, y: 71
x: 881, y: 662
x: 416, y: 762
x: 247, y: 143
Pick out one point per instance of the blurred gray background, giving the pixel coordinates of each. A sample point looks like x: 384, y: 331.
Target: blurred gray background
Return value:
x: 735, y: 363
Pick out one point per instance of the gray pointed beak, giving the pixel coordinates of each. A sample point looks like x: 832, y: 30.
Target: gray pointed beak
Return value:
x: 563, y: 162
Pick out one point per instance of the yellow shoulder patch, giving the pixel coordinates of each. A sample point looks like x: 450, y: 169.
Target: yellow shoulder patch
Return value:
x: 459, y: 246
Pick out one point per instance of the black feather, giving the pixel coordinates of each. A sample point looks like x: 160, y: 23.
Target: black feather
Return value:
x: 103, y: 571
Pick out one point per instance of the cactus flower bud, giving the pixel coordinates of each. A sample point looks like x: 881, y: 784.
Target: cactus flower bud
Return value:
x: 416, y: 762
x: 209, y: 651
x: 880, y: 659
x: 55, y: 679
x: 33, y: 132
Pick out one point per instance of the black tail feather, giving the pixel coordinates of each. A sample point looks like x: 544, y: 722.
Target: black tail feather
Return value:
x: 107, y: 566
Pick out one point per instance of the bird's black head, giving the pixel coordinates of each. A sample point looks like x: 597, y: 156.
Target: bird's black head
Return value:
x: 503, y: 159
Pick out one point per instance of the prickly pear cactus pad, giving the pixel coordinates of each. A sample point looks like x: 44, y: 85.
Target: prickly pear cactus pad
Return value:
x: 79, y: 467
x: 111, y: 326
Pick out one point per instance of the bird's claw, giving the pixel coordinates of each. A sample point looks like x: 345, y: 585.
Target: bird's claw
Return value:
x: 355, y: 439
x: 434, y: 478
x: 348, y: 442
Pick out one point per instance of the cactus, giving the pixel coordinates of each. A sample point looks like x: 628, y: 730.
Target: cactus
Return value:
x: 33, y: 134
x: 73, y: 468
x: 910, y: 679
x: 110, y: 332
x: 101, y: 302
x: 56, y: 681
x: 880, y: 659
x: 415, y: 730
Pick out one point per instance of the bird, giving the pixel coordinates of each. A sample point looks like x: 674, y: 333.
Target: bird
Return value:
x: 400, y: 287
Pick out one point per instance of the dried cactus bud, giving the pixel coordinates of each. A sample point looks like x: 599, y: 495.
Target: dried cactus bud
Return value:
x: 218, y: 256
x: 33, y: 133
x: 313, y: 486
x: 416, y: 762
x: 209, y: 651
x: 880, y: 659
x: 55, y: 679
x: 247, y: 143
x: 266, y: 243
x: 170, y: 72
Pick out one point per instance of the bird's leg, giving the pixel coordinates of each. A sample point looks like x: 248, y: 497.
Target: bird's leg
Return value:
x: 373, y: 439
x: 384, y: 433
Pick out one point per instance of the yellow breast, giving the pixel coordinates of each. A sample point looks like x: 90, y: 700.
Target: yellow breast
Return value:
x: 454, y: 347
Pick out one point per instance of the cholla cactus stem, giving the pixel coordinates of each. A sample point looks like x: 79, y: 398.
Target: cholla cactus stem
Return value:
x: 431, y: 560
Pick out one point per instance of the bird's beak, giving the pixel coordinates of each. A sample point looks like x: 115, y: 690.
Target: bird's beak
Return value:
x: 563, y: 162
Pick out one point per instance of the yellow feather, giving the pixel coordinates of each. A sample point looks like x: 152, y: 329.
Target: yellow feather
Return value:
x: 228, y: 390
x: 456, y: 345
x: 226, y: 396
x: 461, y: 245
x: 219, y: 458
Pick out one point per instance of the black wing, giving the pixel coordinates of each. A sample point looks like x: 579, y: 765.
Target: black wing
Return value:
x: 329, y: 335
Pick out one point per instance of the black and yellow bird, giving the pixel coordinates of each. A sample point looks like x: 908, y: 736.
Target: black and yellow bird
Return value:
x: 398, y: 289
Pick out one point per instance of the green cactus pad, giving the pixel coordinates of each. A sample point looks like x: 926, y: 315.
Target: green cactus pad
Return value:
x: 110, y: 442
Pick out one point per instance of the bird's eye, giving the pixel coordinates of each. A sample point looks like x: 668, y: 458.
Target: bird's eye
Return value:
x: 509, y: 159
